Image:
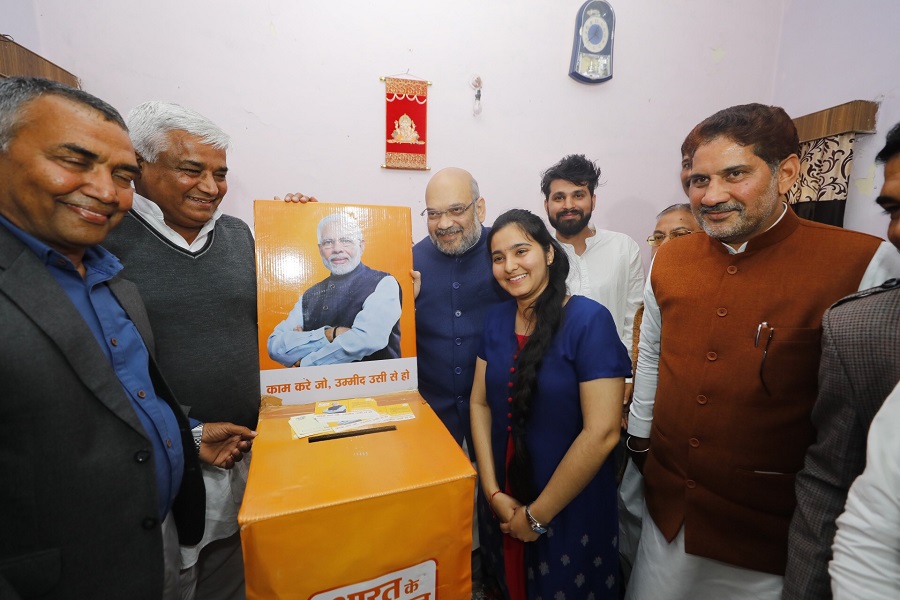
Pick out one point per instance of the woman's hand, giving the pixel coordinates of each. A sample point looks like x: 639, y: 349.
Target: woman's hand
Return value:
x: 519, y: 527
x: 504, y: 506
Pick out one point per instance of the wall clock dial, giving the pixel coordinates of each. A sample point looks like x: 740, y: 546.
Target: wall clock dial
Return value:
x: 593, y: 44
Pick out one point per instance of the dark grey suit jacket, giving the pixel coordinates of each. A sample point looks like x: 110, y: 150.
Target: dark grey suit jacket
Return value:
x: 78, y: 502
x: 860, y: 366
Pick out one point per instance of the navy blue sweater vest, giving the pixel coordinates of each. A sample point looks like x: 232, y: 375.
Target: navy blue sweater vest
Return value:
x: 336, y: 300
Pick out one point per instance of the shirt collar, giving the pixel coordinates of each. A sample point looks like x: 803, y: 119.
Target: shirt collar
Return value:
x: 743, y: 246
x: 96, y: 258
x: 153, y: 215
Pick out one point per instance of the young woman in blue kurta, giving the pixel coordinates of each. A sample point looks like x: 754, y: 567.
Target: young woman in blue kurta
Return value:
x: 544, y: 420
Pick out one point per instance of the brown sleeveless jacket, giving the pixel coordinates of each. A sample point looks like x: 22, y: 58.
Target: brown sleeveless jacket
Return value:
x: 727, y: 440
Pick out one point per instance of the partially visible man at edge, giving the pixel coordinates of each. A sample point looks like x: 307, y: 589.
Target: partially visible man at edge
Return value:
x: 860, y: 367
x: 98, y: 460
x: 732, y: 348
x: 195, y: 269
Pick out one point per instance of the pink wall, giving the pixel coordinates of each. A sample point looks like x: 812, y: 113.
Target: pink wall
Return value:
x: 296, y: 84
x: 833, y: 54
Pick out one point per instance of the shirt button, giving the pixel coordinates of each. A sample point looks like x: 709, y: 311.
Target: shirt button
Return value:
x: 168, y: 443
x: 731, y: 269
x: 325, y: 307
x: 60, y: 262
x: 114, y: 341
x: 455, y: 285
x: 141, y: 394
x: 722, y: 312
x: 142, y: 456
x: 330, y: 286
x: 509, y: 427
x: 457, y: 370
x: 459, y: 399
x: 694, y: 442
x: 701, y: 399
x: 458, y: 341
x: 512, y: 369
x: 690, y: 483
x: 509, y: 399
x: 510, y: 384
x: 711, y: 356
x: 149, y: 523
x: 509, y: 415
x: 458, y: 313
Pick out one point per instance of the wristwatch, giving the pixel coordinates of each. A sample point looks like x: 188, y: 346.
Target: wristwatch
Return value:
x: 197, y: 432
x: 535, y: 526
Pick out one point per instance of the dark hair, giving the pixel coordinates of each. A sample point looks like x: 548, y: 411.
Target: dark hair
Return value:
x: 768, y: 129
x: 548, y: 316
x: 15, y: 92
x: 891, y: 145
x: 574, y: 168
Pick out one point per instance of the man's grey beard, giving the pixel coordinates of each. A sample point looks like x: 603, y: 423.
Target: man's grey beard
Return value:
x: 470, y: 237
x: 344, y: 268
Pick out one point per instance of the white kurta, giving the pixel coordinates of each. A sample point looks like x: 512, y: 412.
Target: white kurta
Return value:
x: 609, y: 271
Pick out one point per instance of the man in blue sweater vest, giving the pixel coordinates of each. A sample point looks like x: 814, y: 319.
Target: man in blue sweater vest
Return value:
x: 195, y: 269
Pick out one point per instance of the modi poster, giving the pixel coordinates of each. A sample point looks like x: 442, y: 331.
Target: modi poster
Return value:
x: 335, y: 301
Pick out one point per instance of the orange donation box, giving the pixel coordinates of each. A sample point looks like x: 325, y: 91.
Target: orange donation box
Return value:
x: 385, y: 515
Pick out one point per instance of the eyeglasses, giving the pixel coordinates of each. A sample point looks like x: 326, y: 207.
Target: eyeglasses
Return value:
x: 759, y: 329
x: 328, y: 244
x: 453, y: 211
x: 658, y: 238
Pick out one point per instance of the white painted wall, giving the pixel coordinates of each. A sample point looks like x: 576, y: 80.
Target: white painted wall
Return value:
x: 834, y: 52
x: 296, y: 84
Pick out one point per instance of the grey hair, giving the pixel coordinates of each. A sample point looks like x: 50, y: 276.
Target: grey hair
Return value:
x: 473, y: 186
x: 348, y: 223
x: 18, y: 91
x: 148, y: 124
x: 675, y: 207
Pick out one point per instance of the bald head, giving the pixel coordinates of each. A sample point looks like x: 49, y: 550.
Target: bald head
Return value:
x: 454, y: 210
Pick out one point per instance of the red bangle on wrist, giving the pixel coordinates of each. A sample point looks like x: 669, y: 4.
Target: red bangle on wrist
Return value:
x: 491, y: 503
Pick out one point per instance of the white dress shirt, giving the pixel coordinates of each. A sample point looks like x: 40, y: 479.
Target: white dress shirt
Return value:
x: 151, y: 213
x: 866, y: 561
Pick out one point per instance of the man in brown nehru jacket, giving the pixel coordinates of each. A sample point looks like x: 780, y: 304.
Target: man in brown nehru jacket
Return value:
x: 729, y: 353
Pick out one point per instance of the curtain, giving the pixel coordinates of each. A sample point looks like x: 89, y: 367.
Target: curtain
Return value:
x: 820, y: 193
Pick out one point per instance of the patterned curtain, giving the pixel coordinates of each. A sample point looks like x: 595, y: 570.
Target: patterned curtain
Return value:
x: 820, y: 193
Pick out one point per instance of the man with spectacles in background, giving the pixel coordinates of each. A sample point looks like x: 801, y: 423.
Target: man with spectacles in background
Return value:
x: 722, y: 414
x: 673, y: 222
x: 351, y: 315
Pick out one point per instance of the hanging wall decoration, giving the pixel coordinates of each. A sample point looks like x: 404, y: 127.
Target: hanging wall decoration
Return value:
x: 406, y: 120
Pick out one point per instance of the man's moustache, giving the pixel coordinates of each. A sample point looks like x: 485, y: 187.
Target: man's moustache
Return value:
x: 721, y: 207
x: 449, y: 230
